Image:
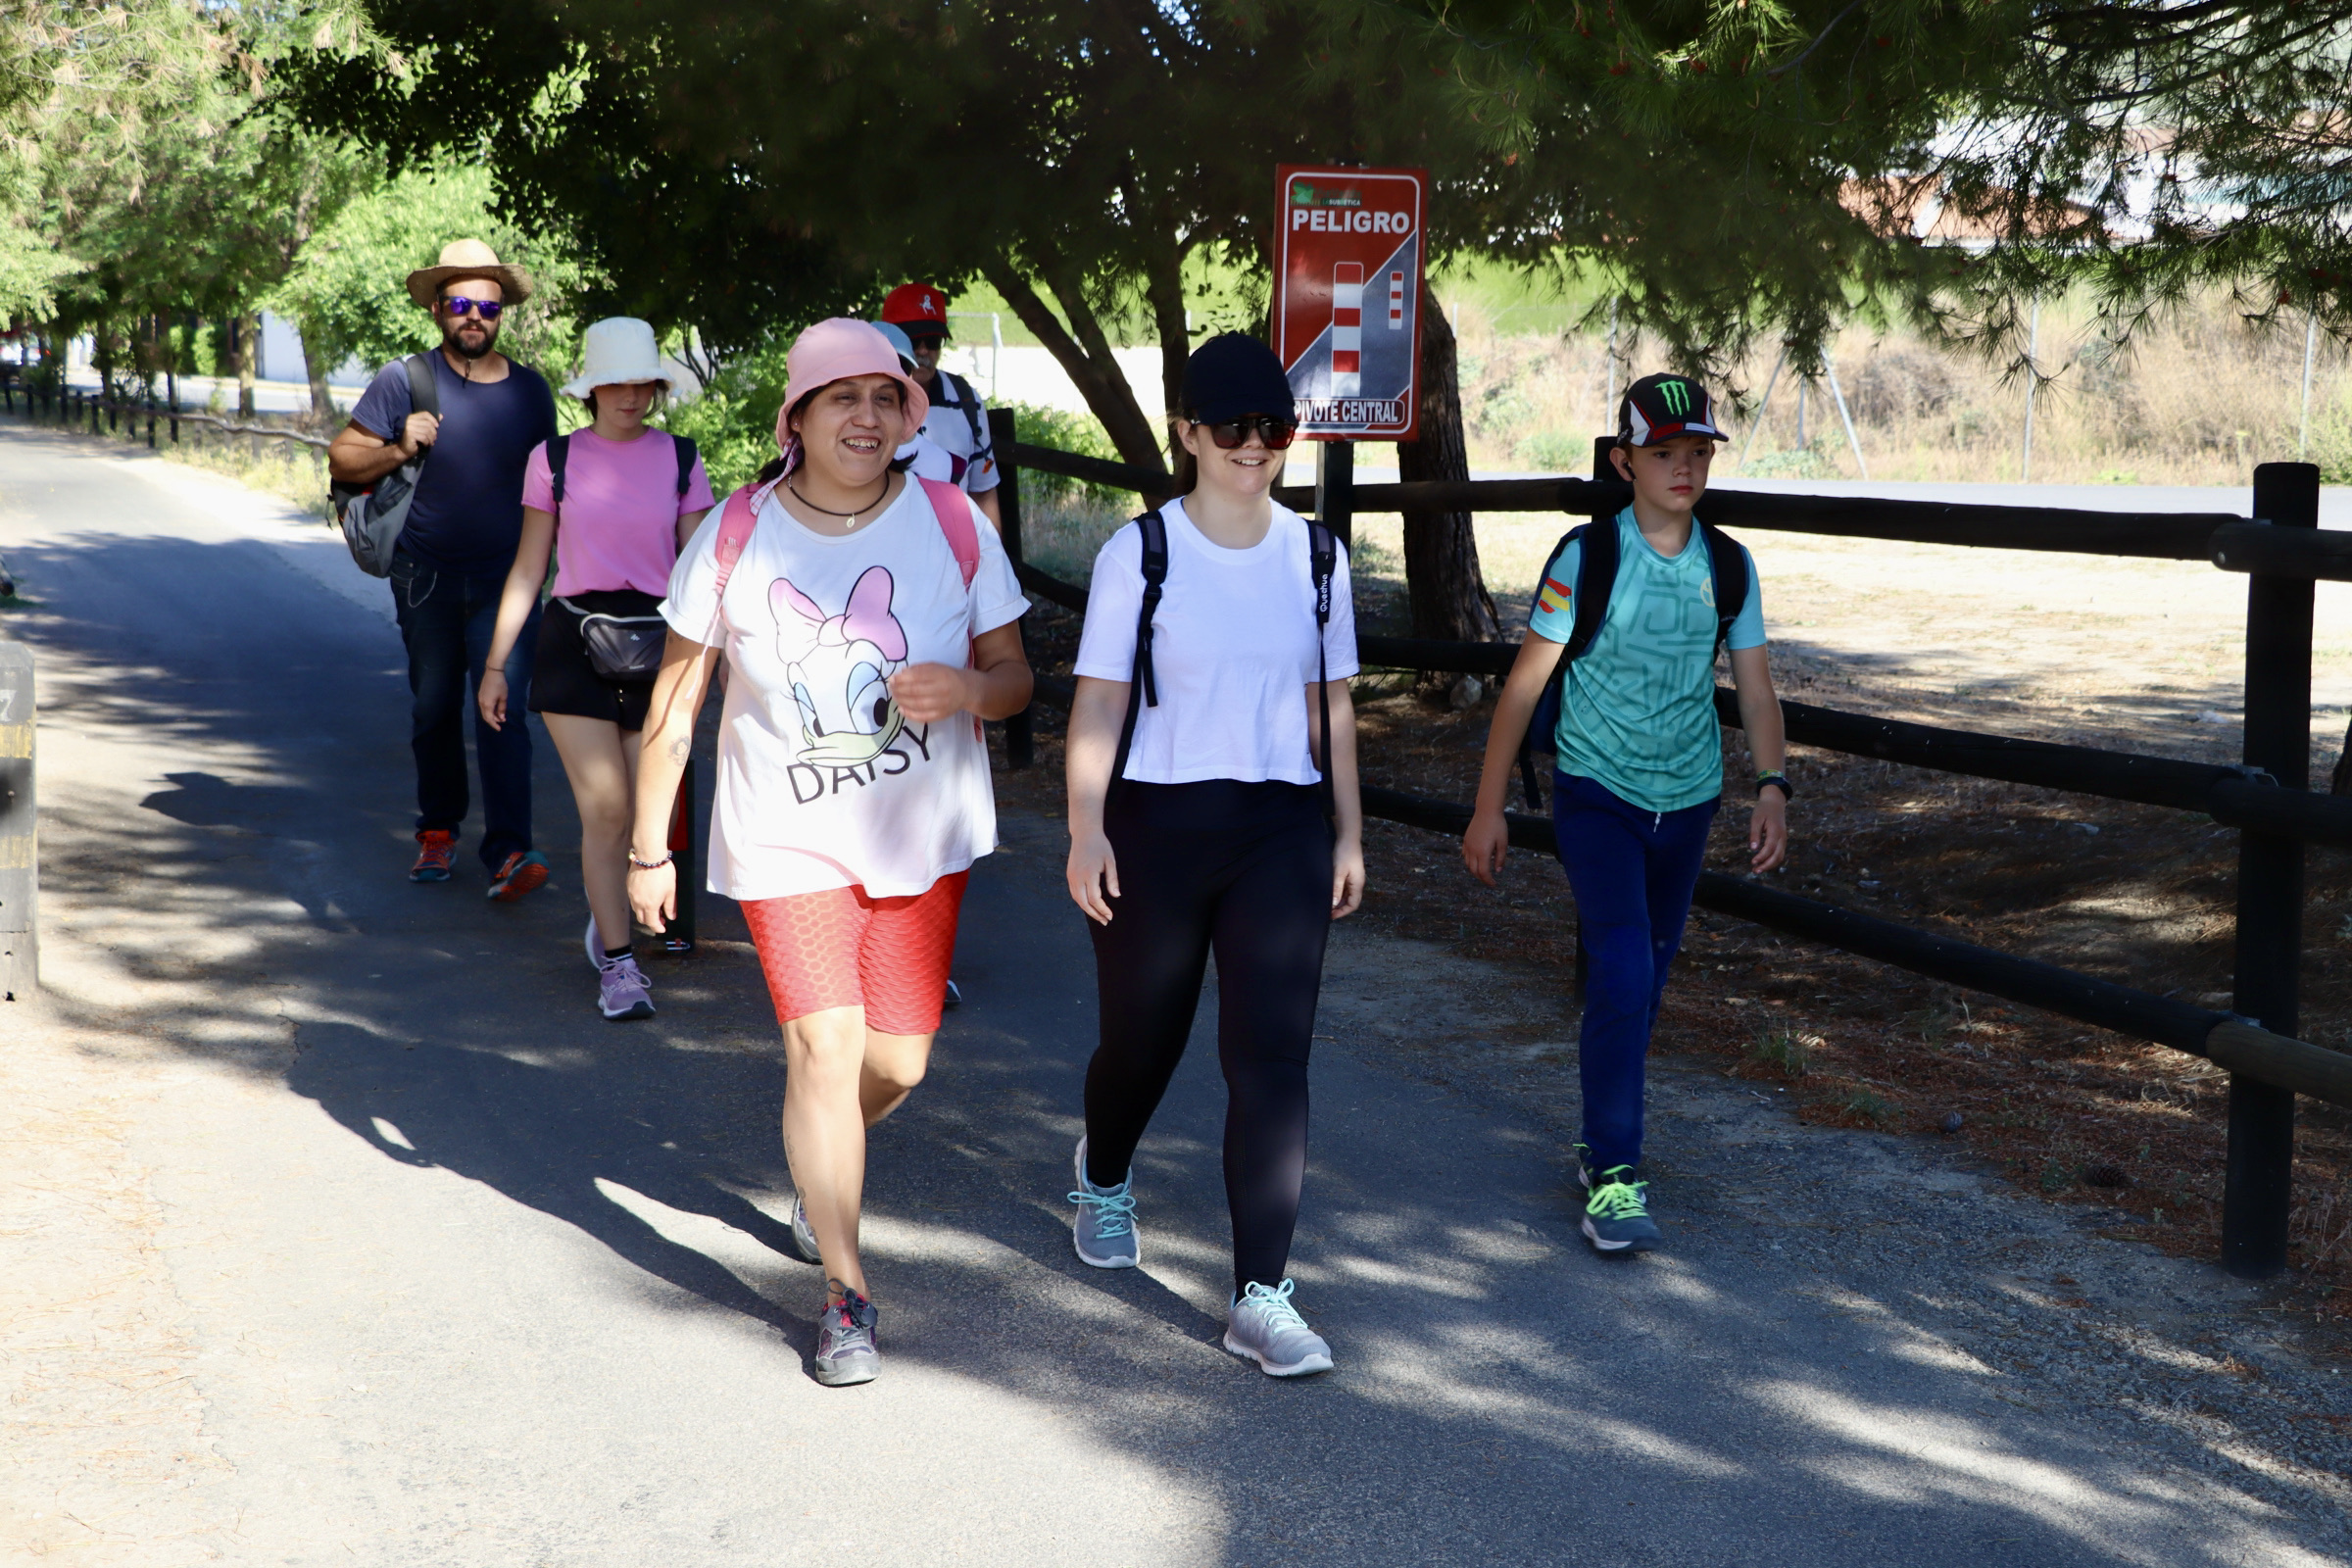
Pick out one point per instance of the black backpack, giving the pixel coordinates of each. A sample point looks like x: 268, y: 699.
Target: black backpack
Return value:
x: 969, y: 404
x: 1323, y: 560
x: 1596, y: 580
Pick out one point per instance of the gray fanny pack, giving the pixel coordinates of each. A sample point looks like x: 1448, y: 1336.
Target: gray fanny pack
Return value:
x: 621, y: 646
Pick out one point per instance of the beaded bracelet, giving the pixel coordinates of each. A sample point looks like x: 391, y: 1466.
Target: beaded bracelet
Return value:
x: 667, y: 856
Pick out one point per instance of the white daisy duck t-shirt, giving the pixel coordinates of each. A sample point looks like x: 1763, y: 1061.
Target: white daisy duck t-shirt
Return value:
x: 822, y: 782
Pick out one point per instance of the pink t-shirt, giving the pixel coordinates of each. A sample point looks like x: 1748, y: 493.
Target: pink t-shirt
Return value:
x: 620, y: 523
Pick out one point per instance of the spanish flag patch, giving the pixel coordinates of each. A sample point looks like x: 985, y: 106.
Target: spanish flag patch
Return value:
x: 1554, y: 597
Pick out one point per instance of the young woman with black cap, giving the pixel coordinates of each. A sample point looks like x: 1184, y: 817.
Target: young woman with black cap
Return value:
x: 1213, y: 807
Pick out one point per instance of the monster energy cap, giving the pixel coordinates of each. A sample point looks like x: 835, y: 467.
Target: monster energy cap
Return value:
x: 1659, y: 407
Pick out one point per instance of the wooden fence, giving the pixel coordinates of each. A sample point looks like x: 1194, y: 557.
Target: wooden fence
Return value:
x: 2265, y: 798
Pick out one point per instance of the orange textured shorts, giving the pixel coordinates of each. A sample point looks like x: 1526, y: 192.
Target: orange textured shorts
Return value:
x: 845, y: 948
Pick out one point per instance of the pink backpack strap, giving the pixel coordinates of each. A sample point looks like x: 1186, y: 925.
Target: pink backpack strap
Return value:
x: 955, y: 515
x: 735, y: 526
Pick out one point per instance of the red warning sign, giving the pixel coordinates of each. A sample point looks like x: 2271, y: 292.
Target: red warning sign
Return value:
x: 1354, y: 362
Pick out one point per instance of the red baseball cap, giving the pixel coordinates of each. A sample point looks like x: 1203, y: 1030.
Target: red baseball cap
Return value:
x: 916, y: 310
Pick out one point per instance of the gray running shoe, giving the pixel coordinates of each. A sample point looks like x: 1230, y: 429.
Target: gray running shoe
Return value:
x: 1617, y: 1215
x: 804, y: 1237
x: 1106, y: 1229
x: 844, y: 1342
x: 1267, y: 1329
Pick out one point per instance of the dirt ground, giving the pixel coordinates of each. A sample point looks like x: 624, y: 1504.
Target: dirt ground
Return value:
x: 2135, y: 655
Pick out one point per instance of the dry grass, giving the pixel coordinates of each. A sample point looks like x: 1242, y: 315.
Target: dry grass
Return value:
x: 2198, y: 398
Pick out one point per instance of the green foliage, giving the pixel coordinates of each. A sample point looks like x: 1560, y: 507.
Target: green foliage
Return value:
x: 733, y: 421
x: 1868, y: 1109
x: 348, y: 289
x: 1555, y: 451
x: 1041, y: 426
x: 1782, y: 1051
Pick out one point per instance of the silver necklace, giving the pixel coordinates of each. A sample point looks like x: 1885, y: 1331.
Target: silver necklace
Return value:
x: 849, y: 518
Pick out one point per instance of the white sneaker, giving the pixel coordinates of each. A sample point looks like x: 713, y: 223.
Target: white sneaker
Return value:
x: 1105, y: 1234
x: 1267, y: 1329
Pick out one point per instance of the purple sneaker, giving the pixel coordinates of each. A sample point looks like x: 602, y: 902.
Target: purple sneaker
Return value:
x: 623, y: 990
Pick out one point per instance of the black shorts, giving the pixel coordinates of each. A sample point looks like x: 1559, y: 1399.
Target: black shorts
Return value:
x: 563, y: 682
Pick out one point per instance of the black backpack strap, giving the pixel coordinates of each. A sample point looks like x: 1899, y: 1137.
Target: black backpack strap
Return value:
x: 1728, y: 564
x: 1323, y: 564
x: 1596, y: 580
x: 1142, y: 687
x: 970, y: 405
x: 559, y: 452
x: 424, y: 395
x: 686, y: 458
x: 1580, y: 637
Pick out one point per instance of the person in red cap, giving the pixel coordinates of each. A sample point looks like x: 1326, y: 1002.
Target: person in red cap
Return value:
x: 957, y: 423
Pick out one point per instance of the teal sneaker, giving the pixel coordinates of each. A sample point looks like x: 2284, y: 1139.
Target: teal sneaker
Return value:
x: 1616, y: 1215
x: 1263, y: 1326
x: 1105, y: 1234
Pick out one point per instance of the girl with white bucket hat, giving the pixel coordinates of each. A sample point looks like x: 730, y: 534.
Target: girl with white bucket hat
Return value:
x: 614, y: 504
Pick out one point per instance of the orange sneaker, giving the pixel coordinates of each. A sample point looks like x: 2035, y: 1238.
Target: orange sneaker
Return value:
x: 525, y: 871
x: 434, y: 849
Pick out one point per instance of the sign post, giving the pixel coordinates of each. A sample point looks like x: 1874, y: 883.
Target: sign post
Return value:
x: 1348, y: 288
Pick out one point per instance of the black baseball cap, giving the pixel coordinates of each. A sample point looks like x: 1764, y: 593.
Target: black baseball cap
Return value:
x: 1232, y: 374
x: 1659, y: 407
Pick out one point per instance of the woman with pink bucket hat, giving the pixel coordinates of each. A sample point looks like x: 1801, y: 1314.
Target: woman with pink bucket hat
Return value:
x: 869, y: 622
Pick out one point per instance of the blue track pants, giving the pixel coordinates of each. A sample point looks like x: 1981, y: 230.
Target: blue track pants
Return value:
x: 1633, y: 872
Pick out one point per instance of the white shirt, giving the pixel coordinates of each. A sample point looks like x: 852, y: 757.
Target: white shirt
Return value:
x: 971, y: 464
x: 1232, y: 650
x: 821, y: 783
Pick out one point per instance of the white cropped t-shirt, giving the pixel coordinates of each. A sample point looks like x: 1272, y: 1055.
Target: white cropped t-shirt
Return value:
x: 1232, y: 650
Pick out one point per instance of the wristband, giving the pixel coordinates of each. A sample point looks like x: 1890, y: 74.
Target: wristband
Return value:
x: 1782, y: 780
x: 667, y: 856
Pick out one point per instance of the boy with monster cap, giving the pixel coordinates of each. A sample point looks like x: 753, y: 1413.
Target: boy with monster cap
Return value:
x: 1617, y: 674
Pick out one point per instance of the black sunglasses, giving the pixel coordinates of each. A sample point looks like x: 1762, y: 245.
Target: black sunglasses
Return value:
x: 1230, y: 434
x: 459, y: 305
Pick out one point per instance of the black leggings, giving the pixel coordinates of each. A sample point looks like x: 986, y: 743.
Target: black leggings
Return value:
x: 1245, y: 870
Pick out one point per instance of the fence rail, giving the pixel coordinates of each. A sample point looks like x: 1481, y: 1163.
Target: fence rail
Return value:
x: 2279, y: 544
x: 70, y: 405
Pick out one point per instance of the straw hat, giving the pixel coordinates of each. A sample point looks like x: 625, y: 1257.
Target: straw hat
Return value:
x: 617, y: 350
x: 469, y: 258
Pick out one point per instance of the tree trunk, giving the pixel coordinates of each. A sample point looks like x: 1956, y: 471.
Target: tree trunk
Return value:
x: 322, y: 400
x: 2341, y: 783
x: 1441, y: 576
x: 1164, y: 286
x: 1090, y: 366
x: 248, y: 329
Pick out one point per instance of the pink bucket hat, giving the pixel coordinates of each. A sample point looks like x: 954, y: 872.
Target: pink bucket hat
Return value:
x: 833, y: 350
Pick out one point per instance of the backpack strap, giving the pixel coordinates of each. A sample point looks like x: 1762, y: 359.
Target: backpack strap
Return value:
x: 1545, y: 720
x: 954, y: 515
x: 966, y: 402
x: 1141, y: 688
x: 735, y: 524
x: 1596, y: 580
x: 559, y: 452
x: 1728, y: 562
x: 1323, y: 560
x: 425, y: 393
x: 687, y: 455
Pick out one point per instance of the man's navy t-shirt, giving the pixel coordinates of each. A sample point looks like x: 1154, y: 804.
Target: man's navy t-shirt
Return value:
x: 468, y: 514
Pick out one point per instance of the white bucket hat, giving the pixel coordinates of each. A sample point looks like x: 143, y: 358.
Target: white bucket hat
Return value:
x: 616, y: 350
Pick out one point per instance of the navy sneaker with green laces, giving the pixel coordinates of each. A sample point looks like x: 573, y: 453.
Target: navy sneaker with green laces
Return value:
x: 1616, y: 1211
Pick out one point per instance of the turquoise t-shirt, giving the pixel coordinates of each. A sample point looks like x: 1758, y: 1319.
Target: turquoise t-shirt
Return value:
x: 1637, y: 711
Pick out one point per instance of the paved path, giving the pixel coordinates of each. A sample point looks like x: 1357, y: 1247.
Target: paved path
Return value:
x: 395, y: 1253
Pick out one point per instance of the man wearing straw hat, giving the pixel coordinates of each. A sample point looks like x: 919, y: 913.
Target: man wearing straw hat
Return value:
x: 455, y: 552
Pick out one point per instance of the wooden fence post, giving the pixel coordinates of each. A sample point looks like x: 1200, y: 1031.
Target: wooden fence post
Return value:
x: 1334, y: 489
x: 19, y: 868
x: 1020, y: 736
x: 2259, y: 1186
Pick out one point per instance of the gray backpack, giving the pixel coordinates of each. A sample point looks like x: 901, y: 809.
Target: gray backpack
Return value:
x: 373, y: 516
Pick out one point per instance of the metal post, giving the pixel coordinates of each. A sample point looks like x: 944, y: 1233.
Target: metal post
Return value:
x: 1608, y: 408
x: 19, y: 868
x: 2260, y: 1182
x: 678, y: 940
x: 1851, y: 439
x: 151, y: 421
x: 1334, y: 489
x: 2032, y: 372
x: 1770, y: 383
x: 1020, y: 733
x: 2311, y: 344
